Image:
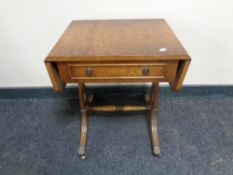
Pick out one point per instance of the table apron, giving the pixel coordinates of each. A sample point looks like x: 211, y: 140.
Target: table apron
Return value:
x: 163, y: 71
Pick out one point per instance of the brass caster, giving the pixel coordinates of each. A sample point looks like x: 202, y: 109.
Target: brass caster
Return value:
x: 81, y: 152
x: 82, y: 157
x: 156, y: 151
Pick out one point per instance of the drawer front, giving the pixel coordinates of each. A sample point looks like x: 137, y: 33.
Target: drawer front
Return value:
x: 117, y: 72
x: 88, y: 71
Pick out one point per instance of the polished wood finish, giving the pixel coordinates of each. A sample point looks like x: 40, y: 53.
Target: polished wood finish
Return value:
x: 153, y: 119
x: 176, y: 84
x: 159, y: 71
x: 58, y: 86
x: 80, y: 71
x: 107, y: 40
x: 112, y: 108
x: 108, y: 51
x: 83, y: 132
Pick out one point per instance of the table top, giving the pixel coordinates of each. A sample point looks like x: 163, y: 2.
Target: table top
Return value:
x: 96, y: 40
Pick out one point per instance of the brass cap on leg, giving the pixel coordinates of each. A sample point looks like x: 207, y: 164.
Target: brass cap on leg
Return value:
x: 156, y: 151
x: 81, y: 152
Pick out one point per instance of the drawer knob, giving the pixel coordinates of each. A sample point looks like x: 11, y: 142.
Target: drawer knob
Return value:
x: 89, y: 72
x: 145, y: 71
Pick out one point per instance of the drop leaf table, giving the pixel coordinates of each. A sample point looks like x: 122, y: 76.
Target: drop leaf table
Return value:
x: 117, y: 51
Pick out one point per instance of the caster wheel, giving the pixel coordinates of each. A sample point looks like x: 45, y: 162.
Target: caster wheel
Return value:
x: 157, y: 155
x: 82, y: 157
x: 81, y: 152
x: 156, y: 151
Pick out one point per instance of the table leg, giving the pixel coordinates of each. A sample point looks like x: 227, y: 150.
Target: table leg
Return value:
x: 153, y: 120
x: 83, y: 134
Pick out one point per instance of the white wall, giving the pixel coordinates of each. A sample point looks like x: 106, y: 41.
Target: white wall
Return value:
x: 29, y: 29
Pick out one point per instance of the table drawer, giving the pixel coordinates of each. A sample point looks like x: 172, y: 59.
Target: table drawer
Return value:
x: 112, y: 70
x: 72, y: 72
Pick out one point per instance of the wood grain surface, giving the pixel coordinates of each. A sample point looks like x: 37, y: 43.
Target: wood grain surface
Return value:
x: 99, y: 40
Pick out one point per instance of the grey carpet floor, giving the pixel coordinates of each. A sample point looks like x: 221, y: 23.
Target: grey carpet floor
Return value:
x: 40, y: 136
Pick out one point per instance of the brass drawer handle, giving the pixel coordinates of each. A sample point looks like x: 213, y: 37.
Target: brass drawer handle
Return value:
x: 145, y: 71
x: 89, y: 72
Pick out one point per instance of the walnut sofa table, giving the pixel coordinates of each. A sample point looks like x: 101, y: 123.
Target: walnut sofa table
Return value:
x: 110, y: 51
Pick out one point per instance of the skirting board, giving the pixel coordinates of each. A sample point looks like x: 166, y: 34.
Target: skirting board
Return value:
x: 71, y: 92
